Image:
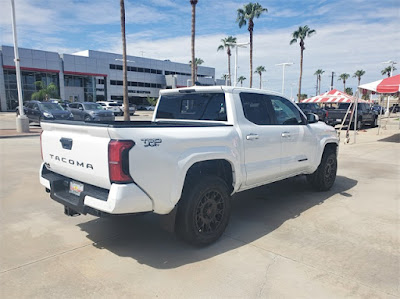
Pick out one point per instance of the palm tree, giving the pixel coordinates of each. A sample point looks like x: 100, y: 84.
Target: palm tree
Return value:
x: 193, y: 3
x: 44, y: 92
x: 228, y: 43
x: 259, y: 70
x: 246, y: 15
x: 344, y: 77
x: 387, y: 71
x: 318, y: 73
x: 358, y: 74
x: 349, y: 90
x: 197, y: 62
x: 301, y: 34
x: 241, y: 79
x: 124, y: 69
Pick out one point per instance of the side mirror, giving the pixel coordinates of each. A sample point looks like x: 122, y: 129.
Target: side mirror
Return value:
x: 312, y: 118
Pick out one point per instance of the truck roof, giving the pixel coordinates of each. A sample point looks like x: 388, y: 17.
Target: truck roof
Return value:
x: 218, y: 88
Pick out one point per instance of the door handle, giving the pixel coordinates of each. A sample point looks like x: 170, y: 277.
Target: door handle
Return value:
x: 285, y: 134
x: 252, y: 137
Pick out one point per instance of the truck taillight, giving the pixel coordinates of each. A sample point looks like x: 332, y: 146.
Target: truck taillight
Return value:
x: 41, y: 146
x: 118, y: 161
x: 326, y: 113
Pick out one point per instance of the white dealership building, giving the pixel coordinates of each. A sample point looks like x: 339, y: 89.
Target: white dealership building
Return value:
x: 92, y: 75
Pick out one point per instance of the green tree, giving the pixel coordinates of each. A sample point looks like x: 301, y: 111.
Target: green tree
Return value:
x: 197, y: 62
x: 358, y: 74
x: 228, y: 43
x: 259, y: 70
x: 318, y: 73
x: 124, y: 68
x: 194, y: 67
x: 44, y: 92
x: 343, y: 77
x: 246, y: 15
x: 388, y: 70
x: 241, y: 79
x: 300, y: 35
x: 349, y: 91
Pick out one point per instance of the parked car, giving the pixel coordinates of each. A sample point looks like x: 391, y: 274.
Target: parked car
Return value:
x: 365, y: 115
x: 378, y: 109
x: 63, y: 103
x: 313, y: 108
x: 89, y: 111
x: 395, y: 108
x: 111, y: 106
x: 203, y: 145
x: 37, y: 111
x: 132, y: 107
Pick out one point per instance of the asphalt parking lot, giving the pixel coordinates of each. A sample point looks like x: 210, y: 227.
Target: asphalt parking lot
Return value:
x: 283, y: 241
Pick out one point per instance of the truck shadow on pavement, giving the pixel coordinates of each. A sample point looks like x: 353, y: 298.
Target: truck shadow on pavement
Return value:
x: 255, y: 214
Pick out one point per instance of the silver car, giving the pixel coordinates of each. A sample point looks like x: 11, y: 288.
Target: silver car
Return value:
x: 89, y: 111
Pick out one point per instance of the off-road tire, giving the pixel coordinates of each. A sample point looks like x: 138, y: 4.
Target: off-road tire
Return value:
x: 203, y: 210
x: 324, y: 177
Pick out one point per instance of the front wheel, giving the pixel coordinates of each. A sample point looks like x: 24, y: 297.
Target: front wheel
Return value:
x: 203, y: 211
x: 324, y: 177
x: 88, y: 118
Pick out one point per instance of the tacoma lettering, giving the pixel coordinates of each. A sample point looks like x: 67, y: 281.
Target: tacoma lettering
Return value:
x: 71, y: 162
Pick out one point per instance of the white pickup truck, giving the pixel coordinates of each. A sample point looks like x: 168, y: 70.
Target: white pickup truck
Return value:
x: 203, y: 145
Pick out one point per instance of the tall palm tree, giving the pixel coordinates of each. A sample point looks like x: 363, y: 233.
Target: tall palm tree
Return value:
x: 241, y: 79
x: 228, y: 43
x: 197, y: 62
x: 225, y: 77
x: 343, y: 77
x: 358, y: 74
x: 301, y: 34
x: 388, y: 70
x: 124, y: 69
x: 246, y: 15
x: 259, y: 70
x: 318, y: 73
x: 193, y: 3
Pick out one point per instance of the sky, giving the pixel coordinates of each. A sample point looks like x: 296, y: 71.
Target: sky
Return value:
x: 350, y: 35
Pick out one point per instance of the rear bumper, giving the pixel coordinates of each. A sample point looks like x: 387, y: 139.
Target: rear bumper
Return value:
x: 120, y: 199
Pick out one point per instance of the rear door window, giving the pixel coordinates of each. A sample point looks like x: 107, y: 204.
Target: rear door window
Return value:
x: 256, y: 108
x: 193, y: 106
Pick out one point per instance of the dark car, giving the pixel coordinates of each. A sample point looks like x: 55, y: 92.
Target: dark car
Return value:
x: 378, y: 109
x: 89, y: 111
x: 395, y: 108
x: 313, y: 108
x: 365, y: 115
x: 37, y: 111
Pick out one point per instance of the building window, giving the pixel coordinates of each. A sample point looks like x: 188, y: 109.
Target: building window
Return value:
x: 100, y: 81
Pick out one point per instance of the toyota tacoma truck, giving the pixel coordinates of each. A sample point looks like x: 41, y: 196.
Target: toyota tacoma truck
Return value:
x: 203, y: 145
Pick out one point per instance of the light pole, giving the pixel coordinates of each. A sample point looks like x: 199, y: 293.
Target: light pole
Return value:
x: 333, y: 75
x: 284, y: 64
x: 237, y: 45
x: 22, y: 120
x: 291, y: 91
x: 392, y: 63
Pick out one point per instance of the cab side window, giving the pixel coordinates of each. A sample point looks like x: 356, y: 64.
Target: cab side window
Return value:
x: 285, y: 112
x: 256, y: 108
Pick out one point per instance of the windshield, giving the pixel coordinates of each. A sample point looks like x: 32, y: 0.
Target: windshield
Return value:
x: 93, y: 106
x: 50, y: 106
x: 194, y: 106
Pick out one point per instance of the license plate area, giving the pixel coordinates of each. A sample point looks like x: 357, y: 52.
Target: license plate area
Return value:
x: 339, y: 119
x: 76, y: 188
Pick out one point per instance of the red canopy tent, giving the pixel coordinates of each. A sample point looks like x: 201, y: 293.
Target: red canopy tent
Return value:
x: 332, y: 96
x: 387, y: 85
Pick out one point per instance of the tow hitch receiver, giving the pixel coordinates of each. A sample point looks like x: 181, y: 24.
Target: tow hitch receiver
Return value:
x: 70, y: 212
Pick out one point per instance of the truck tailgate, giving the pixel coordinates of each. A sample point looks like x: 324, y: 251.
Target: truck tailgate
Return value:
x: 77, y: 152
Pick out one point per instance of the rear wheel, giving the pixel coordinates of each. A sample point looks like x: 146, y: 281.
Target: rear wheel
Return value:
x: 204, y: 210
x: 324, y: 177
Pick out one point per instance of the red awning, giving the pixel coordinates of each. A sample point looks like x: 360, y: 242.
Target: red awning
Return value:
x: 389, y: 85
